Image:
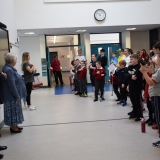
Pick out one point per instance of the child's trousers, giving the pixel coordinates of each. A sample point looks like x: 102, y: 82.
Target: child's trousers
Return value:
x: 156, y: 103
x: 83, y: 86
x: 99, y: 85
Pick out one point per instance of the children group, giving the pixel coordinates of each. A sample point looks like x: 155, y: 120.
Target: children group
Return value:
x: 136, y: 75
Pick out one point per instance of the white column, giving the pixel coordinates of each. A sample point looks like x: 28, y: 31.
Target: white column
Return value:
x: 85, y: 40
x: 43, y: 55
x: 126, y: 39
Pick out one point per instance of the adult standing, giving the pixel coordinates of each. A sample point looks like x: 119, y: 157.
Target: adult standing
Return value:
x: 80, y: 56
x: 57, y: 70
x: 127, y: 58
x: 28, y: 70
x: 144, y: 55
x: 102, y: 58
x: 13, y: 90
x: 3, y: 77
x: 92, y: 67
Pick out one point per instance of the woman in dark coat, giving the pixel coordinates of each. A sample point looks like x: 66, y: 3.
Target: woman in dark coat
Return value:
x: 13, y: 90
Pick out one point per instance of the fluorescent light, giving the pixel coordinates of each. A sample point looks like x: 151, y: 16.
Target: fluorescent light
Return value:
x: 81, y: 30
x: 54, y: 41
x: 29, y: 33
x: 130, y: 29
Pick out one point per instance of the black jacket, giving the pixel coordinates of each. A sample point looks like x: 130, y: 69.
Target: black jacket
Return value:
x: 121, y: 75
x: 2, y: 79
x: 103, y: 61
x: 134, y: 70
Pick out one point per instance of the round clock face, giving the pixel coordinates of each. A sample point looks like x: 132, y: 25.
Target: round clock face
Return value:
x: 100, y: 14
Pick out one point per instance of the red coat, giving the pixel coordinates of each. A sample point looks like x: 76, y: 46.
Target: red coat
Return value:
x: 146, y: 94
x: 98, y: 77
x: 56, y: 65
x: 144, y: 57
x: 82, y: 73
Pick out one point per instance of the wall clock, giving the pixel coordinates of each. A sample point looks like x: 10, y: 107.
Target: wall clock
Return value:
x: 100, y: 15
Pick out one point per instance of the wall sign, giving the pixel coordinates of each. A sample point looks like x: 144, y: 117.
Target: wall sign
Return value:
x: 62, y: 56
x: 64, y: 1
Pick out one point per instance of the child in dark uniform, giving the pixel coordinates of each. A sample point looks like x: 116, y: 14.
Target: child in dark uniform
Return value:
x: 134, y: 78
x: 122, y: 82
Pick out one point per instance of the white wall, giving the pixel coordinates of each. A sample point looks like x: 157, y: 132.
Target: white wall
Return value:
x: 34, y: 14
x: 139, y: 41
x: 32, y: 45
x: 8, y: 17
x: 65, y: 62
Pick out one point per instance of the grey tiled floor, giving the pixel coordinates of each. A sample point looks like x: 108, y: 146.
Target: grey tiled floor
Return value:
x: 67, y: 127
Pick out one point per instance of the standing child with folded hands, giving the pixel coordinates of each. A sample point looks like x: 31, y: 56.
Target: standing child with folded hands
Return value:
x: 99, y: 73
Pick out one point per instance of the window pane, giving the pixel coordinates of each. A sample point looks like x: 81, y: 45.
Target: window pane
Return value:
x: 104, y: 38
x: 64, y: 40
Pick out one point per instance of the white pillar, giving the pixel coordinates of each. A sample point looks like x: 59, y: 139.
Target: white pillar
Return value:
x: 85, y: 40
x: 126, y: 39
x: 43, y: 55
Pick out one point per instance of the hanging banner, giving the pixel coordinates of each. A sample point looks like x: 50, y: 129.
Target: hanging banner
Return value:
x: 64, y: 1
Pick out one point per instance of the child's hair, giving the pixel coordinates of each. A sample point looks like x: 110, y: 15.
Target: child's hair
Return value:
x: 77, y: 59
x: 72, y: 62
x: 94, y: 54
x: 102, y: 50
x: 114, y: 53
x: 134, y: 56
x: 122, y: 62
x: 130, y: 51
x: 99, y: 62
x: 121, y: 50
x: 157, y: 45
x: 148, y: 63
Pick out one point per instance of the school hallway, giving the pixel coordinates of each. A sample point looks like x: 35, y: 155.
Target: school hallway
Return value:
x: 68, y: 127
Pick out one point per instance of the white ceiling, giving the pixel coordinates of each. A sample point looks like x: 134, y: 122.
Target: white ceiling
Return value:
x: 104, y: 29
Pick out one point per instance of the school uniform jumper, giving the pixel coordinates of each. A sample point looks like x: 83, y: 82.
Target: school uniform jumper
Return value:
x: 114, y: 82
x: 99, y: 81
x: 82, y: 77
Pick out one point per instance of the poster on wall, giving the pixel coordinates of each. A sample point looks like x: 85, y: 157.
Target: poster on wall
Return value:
x: 64, y: 1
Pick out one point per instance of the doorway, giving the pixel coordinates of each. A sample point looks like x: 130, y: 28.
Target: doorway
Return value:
x: 52, y: 56
x: 109, y: 48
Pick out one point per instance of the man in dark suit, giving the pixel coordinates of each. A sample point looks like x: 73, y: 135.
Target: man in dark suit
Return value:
x: 3, y: 76
x: 102, y: 58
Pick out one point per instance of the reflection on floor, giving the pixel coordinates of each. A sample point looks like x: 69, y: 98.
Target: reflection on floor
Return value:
x: 67, y: 89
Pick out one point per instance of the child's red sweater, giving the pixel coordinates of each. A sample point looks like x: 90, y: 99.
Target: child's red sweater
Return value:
x: 82, y: 73
x: 98, y: 77
x: 146, y: 94
x: 114, y: 79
